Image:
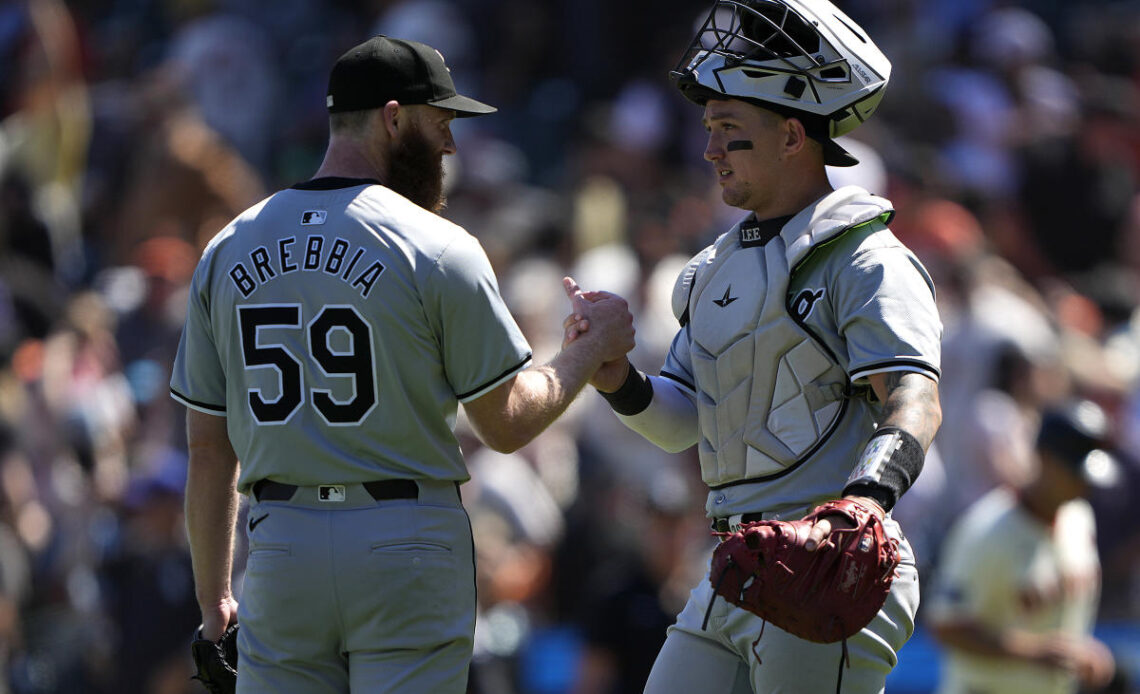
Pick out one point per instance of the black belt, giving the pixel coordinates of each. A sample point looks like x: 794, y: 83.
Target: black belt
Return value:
x: 720, y: 525
x: 380, y: 490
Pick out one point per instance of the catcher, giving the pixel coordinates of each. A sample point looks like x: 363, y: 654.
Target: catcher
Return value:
x: 805, y: 369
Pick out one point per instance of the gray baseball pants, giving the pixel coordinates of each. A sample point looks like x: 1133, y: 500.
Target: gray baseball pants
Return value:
x: 354, y: 595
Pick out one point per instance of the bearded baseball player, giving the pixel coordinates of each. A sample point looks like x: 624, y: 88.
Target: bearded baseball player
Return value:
x: 805, y: 369
x: 332, y: 331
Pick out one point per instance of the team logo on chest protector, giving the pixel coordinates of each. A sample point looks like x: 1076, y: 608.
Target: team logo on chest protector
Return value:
x: 802, y: 306
x: 726, y: 299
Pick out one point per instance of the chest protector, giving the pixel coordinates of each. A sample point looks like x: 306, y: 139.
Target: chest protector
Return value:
x: 768, y: 392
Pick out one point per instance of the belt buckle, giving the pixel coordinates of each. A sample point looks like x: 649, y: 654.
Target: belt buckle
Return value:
x: 728, y: 524
x: 734, y: 522
x: 331, y: 493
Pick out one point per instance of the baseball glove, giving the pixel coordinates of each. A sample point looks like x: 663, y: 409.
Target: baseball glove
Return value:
x: 216, y: 661
x: 824, y: 596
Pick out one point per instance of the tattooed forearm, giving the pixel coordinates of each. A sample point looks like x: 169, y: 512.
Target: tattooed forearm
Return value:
x: 910, y: 403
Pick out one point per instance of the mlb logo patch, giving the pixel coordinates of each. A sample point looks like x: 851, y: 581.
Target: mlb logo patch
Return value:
x: 333, y: 493
x: 310, y: 217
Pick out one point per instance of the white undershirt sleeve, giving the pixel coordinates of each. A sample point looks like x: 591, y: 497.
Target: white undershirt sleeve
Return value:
x: 670, y: 421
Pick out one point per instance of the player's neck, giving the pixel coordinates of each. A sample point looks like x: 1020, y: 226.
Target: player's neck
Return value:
x: 347, y: 160
x: 1040, y: 505
x: 792, y: 201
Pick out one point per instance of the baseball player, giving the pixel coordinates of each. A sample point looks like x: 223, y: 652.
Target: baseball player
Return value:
x: 332, y: 330
x: 1019, y: 579
x: 806, y: 365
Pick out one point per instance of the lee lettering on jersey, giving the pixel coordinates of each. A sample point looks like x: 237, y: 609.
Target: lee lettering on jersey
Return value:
x: 314, y: 253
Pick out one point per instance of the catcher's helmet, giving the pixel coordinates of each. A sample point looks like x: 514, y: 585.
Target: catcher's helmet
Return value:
x: 801, y: 58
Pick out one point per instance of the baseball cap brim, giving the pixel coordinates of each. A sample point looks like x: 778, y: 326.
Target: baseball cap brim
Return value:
x: 464, y: 106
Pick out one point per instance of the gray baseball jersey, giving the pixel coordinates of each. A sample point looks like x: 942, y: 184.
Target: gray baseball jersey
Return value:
x: 783, y: 323
x: 336, y: 326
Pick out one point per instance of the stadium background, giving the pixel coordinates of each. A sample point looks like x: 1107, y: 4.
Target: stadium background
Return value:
x: 132, y: 130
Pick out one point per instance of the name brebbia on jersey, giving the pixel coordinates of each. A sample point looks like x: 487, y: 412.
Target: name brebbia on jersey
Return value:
x: 313, y: 253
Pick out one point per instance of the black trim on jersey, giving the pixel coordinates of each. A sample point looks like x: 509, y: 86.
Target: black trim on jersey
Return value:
x: 334, y: 183
x: 678, y: 379
x: 489, y: 382
x: 196, y: 403
x: 880, y: 365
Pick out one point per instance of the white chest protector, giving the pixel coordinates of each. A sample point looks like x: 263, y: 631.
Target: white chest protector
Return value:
x: 768, y: 392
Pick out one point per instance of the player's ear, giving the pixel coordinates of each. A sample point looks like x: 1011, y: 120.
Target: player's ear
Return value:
x: 392, y: 114
x: 795, y: 136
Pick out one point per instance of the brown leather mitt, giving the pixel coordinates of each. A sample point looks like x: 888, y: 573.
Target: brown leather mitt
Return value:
x: 824, y: 596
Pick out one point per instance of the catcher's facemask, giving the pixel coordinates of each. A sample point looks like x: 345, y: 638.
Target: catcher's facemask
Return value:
x: 803, y: 56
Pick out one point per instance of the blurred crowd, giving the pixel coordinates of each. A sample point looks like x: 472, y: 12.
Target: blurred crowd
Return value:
x: 132, y: 131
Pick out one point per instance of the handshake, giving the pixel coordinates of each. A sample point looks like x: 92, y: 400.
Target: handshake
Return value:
x: 600, y: 328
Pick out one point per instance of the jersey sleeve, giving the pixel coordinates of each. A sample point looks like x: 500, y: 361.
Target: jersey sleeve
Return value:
x: 481, y: 343
x: 887, y: 314
x: 678, y: 366
x: 198, y: 380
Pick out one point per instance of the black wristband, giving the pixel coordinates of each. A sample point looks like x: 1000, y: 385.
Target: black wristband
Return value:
x: 884, y: 495
x: 634, y: 395
x: 889, y: 465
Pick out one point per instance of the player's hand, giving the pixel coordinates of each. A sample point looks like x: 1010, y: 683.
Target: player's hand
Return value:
x: 1090, y: 660
x: 577, y: 322
x: 215, y: 618
x: 574, y: 325
x: 1095, y: 664
x: 825, y: 524
x: 590, y: 310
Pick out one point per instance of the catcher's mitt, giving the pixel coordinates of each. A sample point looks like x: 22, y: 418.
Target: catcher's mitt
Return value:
x: 216, y: 661
x: 824, y: 596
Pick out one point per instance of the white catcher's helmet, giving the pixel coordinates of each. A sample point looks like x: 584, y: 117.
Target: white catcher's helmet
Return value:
x: 802, y: 58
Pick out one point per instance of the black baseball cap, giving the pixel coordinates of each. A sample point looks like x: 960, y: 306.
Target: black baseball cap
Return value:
x: 1077, y: 433
x: 383, y: 69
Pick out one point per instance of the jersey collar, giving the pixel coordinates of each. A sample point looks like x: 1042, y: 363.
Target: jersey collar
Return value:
x: 333, y: 183
x: 755, y: 233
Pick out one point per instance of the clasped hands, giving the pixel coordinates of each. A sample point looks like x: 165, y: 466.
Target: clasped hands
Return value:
x: 605, y: 318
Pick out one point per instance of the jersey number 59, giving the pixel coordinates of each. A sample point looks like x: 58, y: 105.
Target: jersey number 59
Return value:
x: 354, y: 362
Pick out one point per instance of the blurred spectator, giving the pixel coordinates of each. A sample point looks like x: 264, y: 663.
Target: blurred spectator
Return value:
x: 181, y: 177
x: 1077, y: 186
x: 45, y: 122
x: 516, y: 523
x: 635, y: 590
x: 149, y: 583
x: 1018, y: 584
x: 997, y: 435
x: 229, y: 68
